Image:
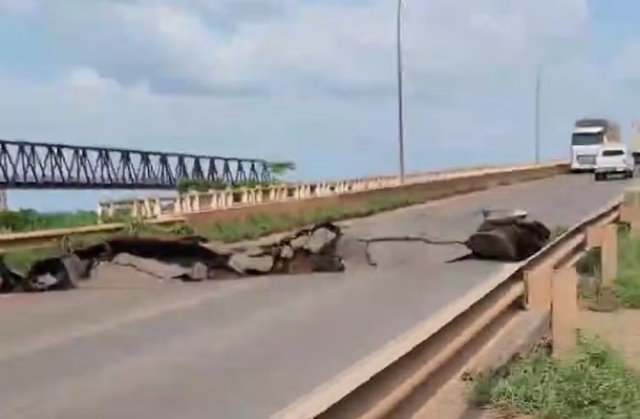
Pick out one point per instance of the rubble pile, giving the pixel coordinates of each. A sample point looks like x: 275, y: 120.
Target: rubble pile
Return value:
x: 190, y: 259
x: 505, y: 236
x: 508, y: 237
x: 502, y: 237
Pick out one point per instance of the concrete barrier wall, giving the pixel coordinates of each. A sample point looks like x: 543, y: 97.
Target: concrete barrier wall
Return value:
x: 195, y: 202
x: 416, y: 192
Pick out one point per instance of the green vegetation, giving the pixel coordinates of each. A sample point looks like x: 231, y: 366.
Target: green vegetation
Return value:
x: 25, y: 220
x: 280, y: 168
x: 627, y: 285
x: 29, y: 220
x: 595, y: 383
x: 202, y: 185
x: 276, y: 169
x: 263, y: 224
x: 250, y: 228
x: 22, y: 259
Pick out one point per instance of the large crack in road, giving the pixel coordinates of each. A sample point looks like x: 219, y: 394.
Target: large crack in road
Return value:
x: 502, y: 236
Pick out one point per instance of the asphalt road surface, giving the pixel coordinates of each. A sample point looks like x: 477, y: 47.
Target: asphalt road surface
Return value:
x: 247, y: 349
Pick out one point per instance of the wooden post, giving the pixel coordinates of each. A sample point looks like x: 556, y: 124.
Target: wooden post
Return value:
x: 564, y: 311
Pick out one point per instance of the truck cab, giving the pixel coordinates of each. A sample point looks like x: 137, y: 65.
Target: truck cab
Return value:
x: 614, y: 159
x: 589, y: 136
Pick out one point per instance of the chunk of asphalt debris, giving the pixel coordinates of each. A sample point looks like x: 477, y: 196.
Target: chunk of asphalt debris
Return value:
x: 256, y: 251
x: 287, y: 252
x: 507, y: 237
x: 46, y: 282
x: 320, y: 240
x: 155, y: 268
x: 39, y: 277
x: 244, y: 264
x: 199, y: 272
x: 309, y: 250
x: 76, y: 268
x: 299, y: 242
x: 512, y: 240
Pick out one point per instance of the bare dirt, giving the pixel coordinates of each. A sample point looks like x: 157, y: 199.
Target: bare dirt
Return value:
x: 619, y: 329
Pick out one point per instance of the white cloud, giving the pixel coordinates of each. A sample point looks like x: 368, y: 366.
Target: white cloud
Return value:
x: 308, y: 81
x: 218, y: 46
x: 90, y: 79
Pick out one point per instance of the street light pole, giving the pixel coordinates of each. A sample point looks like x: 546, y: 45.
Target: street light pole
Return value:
x: 537, y: 115
x: 400, y: 92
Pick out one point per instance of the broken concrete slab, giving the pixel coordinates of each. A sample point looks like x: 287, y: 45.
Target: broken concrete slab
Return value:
x: 187, y: 259
x: 320, y: 240
x: 244, y: 263
x: 320, y: 248
x: 150, y: 266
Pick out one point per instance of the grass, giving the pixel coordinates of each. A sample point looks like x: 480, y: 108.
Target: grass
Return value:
x: 25, y: 220
x: 627, y: 284
x: 264, y: 224
x: 595, y: 383
x: 228, y: 232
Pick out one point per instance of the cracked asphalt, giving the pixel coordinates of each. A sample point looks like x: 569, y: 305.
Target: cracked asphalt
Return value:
x: 130, y: 348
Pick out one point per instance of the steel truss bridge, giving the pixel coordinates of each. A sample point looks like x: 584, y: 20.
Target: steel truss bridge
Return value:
x: 30, y: 165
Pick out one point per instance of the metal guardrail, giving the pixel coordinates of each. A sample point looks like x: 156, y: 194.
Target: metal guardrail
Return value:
x: 155, y: 207
x: 547, y: 282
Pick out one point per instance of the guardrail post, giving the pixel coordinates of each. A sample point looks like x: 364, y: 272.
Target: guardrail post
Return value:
x: 538, y: 285
x: 564, y: 310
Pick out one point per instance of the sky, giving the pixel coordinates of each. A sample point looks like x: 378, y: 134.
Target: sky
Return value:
x: 312, y: 81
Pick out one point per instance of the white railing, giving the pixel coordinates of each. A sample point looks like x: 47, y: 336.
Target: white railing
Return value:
x: 159, y: 207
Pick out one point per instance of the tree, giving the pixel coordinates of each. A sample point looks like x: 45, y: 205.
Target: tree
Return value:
x: 280, y: 168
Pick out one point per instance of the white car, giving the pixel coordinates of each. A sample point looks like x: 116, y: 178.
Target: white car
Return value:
x: 614, y: 159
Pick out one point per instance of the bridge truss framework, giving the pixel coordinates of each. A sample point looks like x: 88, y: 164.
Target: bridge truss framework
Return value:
x: 30, y: 165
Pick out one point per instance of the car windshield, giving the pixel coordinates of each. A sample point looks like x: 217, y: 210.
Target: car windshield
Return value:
x: 611, y: 153
x: 586, y: 139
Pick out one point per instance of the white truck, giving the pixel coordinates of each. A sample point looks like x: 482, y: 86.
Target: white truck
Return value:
x: 589, y: 136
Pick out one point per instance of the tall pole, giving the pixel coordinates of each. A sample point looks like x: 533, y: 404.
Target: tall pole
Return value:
x: 400, y: 92
x: 537, y: 115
